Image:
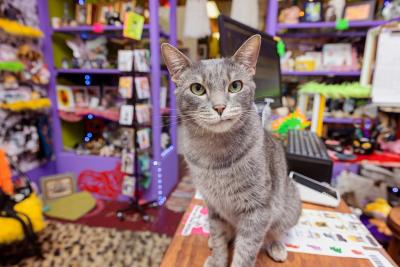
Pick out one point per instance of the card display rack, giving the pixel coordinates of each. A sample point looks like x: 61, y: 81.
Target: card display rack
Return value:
x: 163, y: 163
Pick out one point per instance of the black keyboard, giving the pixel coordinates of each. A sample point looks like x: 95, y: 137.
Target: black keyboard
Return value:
x: 307, y: 154
x: 306, y: 143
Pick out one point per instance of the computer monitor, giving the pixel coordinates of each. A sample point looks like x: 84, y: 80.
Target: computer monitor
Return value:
x: 268, y: 74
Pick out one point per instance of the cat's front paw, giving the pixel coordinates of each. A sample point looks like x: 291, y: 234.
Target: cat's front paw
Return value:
x: 277, y: 251
x: 213, y: 261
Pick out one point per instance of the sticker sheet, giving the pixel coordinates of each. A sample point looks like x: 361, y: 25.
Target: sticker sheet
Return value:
x: 317, y: 232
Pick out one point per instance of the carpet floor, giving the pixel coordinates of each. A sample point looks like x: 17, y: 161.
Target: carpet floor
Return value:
x: 65, y: 244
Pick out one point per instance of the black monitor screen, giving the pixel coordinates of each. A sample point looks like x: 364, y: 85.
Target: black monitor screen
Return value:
x: 268, y: 76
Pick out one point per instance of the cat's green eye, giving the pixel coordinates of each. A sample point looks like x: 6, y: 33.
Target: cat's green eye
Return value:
x: 197, y: 89
x: 235, y: 86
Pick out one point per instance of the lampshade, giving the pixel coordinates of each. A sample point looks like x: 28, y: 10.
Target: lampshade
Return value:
x: 212, y: 10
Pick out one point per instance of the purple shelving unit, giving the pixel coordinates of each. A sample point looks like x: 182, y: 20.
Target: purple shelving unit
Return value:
x: 164, y: 164
x: 330, y: 24
x: 322, y: 73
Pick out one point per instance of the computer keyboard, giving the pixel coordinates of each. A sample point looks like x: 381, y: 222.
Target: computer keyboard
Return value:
x: 306, y: 143
x: 307, y: 155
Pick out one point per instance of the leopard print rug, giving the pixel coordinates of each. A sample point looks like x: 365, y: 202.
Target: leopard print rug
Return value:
x: 83, y: 246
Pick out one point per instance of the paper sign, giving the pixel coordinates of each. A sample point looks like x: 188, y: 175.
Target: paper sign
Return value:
x: 133, y: 26
x: 377, y: 259
x: 197, y: 222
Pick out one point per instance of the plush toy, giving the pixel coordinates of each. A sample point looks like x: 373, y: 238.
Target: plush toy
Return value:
x: 5, y: 174
x: 290, y: 15
x: 11, y: 229
x: 294, y: 121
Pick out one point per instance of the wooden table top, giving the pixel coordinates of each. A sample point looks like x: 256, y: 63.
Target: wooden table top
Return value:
x: 192, y: 251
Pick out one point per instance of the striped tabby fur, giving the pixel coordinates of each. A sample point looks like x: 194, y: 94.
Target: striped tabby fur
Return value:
x: 238, y: 167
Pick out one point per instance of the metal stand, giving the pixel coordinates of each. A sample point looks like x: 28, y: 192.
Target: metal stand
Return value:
x: 135, y: 207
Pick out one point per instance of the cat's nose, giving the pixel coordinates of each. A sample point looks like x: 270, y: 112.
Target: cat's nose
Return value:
x: 219, y: 109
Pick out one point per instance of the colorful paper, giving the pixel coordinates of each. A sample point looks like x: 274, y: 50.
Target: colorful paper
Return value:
x: 317, y: 232
x: 197, y: 222
x: 133, y: 26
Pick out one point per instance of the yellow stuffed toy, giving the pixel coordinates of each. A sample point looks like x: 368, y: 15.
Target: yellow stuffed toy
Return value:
x: 11, y: 229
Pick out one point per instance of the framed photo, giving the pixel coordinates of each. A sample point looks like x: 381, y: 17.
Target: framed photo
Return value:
x: 142, y: 87
x: 84, y: 14
x: 128, y: 186
x: 143, y: 138
x: 65, y: 97
x: 126, y: 115
x: 127, y: 162
x: 80, y: 97
x: 313, y: 11
x: 336, y: 56
x: 125, y: 86
x: 56, y: 186
x: 93, y: 94
x: 360, y: 10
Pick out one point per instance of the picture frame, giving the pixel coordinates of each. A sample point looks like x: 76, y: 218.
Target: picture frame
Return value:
x: 81, y: 98
x: 360, y: 10
x: 65, y: 97
x: 84, y: 14
x: 56, y: 186
x: 94, y: 95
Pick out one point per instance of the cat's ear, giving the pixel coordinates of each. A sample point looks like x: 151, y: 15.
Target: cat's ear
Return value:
x: 175, y: 60
x: 247, y: 54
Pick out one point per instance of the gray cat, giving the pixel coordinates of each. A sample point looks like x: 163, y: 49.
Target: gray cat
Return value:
x: 238, y: 167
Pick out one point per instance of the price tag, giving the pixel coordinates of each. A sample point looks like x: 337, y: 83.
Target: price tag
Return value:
x: 133, y: 26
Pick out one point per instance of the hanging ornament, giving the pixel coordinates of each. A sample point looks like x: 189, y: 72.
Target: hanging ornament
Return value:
x: 246, y: 12
x: 197, y: 23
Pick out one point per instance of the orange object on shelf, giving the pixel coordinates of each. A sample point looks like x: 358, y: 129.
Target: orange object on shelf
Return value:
x: 5, y: 174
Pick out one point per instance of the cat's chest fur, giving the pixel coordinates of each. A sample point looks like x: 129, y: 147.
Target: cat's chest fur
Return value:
x: 231, y: 176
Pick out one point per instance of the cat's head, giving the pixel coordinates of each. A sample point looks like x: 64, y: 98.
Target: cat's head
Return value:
x: 214, y: 94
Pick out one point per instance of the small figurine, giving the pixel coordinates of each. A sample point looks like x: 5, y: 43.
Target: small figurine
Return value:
x: 290, y: 15
x: 64, y: 63
x: 334, y: 11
